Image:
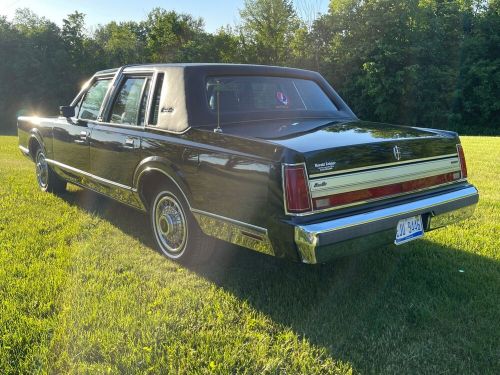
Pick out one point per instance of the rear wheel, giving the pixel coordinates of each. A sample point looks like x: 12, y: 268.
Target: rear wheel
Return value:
x: 175, y: 230
x: 46, y: 178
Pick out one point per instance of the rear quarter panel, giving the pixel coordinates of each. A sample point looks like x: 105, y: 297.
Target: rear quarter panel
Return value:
x: 233, y: 177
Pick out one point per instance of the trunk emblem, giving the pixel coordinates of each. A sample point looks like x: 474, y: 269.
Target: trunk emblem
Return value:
x: 325, y: 166
x: 397, y: 152
x: 320, y: 184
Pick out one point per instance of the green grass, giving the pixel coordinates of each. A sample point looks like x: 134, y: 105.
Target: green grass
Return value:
x: 83, y: 291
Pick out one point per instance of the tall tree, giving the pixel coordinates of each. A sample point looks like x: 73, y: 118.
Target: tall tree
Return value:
x: 73, y: 34
x: 267, y: 30
x: 121, y: 43
x: 477, y: 105
x: 168, y: 33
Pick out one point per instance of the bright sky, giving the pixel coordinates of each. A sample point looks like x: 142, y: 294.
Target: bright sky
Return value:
x: 216, y: 13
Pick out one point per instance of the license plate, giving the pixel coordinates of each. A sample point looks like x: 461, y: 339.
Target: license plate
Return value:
x: 409, y: 229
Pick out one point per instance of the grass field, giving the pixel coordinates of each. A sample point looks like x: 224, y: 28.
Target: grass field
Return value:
x: 83, y: 291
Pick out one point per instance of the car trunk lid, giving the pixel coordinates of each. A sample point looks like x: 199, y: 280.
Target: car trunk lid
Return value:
x: 351, y: 162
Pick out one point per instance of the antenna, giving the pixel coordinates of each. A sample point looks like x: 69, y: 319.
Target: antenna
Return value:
x: 218, y: 129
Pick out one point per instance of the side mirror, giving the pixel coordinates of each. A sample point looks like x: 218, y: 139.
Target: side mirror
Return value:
x: 67, y: 111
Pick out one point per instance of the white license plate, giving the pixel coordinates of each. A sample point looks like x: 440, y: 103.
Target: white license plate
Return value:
x: 409, y: 229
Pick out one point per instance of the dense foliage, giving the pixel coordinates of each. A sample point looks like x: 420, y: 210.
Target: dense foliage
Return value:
x: 432, y: 63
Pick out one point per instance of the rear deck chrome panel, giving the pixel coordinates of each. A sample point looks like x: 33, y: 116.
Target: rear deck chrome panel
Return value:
x: 379, y: 177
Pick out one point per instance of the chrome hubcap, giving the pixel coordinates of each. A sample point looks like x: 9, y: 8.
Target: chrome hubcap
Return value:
x: 170, y: 224
x: 42, y: 170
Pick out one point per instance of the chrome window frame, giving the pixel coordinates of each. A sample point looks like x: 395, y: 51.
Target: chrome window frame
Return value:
x: 143, y: 73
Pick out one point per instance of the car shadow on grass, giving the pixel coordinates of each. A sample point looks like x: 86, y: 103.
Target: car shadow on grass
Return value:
x: 422, y: 307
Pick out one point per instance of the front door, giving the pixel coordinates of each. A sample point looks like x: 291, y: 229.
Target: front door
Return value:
x: 115, y: 145
x: 71, y: 136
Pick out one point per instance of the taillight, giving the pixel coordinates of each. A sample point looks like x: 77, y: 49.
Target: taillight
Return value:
x: 297, y: 195
x: 463, y: 164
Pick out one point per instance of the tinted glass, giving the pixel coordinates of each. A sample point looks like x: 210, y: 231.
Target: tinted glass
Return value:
x: 254, y: 93
x: 155, y: 107
x: 91, y: 104
x: 129, y: 105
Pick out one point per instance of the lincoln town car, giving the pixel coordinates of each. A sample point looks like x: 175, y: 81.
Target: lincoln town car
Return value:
x: 268, y: 158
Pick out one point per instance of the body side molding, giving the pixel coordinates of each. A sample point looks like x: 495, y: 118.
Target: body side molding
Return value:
x: 234, y: 231
x: 90, y: 175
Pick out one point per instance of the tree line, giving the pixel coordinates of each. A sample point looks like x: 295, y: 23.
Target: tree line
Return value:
x: 429, y: 63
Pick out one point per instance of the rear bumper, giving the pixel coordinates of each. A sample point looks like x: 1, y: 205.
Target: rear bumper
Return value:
x: 319, y: 242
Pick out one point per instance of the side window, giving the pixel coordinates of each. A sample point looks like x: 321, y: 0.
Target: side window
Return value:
x: 155, y: 106
x: 129, y: 106
x: 91, y: 104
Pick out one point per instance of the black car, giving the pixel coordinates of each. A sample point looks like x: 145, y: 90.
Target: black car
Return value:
x: 268, y: 158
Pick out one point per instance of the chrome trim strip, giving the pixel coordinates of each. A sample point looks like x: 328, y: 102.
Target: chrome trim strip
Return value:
x: 24, y: 150
x: 381, y: 177
x: 149, y: 101
x: 460, y: 159
x: 141, y: 209
x: 234, y: 231
x: 378, y: 199
x: 116, y: 125
x: 250, y: 227
x: 154, y: 127
x: 148, y: 169
x: 90, y: 175
x: 317, y: 175
x: 307, y: 236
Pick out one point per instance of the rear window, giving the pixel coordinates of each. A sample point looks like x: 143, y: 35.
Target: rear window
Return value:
x: 263, y: 94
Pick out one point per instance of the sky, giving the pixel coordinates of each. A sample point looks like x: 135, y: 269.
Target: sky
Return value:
x: 216, y: 13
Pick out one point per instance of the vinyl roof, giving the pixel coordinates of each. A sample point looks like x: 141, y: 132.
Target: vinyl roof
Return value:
x: 200, y: 65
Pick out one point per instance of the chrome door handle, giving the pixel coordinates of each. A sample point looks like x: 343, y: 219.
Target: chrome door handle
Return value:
x: 83, y: 137
x: 130, y: 142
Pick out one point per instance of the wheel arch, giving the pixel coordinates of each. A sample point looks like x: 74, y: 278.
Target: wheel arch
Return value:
x: 157, y: 169
x: 35, y: 141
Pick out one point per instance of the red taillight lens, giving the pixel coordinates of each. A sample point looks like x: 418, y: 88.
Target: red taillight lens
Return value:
x: 463, y: 164
x: 296, y: 190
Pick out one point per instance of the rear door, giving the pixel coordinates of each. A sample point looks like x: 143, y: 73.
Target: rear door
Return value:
x: 115, y: 146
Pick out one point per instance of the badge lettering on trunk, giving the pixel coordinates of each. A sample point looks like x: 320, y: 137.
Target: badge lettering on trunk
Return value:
x: 325, y: 166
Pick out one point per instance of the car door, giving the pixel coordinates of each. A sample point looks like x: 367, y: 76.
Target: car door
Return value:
x: 71, y: 136
x: 115, y: 145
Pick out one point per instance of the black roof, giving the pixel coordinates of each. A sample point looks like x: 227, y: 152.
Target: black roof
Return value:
x: 215, y: 67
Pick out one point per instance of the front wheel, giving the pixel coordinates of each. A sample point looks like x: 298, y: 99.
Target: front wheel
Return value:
x: 46, y: 178
x: 175, y: 230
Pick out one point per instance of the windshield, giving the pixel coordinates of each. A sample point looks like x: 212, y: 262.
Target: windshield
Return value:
x: 264, y: 94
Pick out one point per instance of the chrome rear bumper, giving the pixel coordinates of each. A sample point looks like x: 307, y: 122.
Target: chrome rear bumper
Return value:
x: 329, y: 239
